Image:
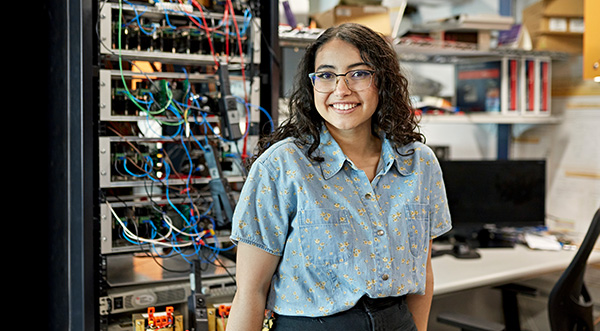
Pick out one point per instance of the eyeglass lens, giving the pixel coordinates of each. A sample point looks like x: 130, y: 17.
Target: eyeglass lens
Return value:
x: 356, y: 80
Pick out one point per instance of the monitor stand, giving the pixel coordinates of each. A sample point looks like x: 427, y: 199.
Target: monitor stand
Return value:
x: 460, y: 250
x: 493, y: 239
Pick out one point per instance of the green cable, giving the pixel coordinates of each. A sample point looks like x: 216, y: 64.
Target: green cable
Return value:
x: 131, y: 97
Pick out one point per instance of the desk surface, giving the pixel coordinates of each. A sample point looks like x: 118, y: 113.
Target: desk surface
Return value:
x: 497, y: 266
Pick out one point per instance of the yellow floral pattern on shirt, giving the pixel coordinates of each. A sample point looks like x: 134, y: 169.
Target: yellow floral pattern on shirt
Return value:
x: 339, y: 235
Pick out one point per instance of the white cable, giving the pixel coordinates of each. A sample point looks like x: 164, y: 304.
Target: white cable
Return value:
x: 170, y: 223
x: 158, y: 241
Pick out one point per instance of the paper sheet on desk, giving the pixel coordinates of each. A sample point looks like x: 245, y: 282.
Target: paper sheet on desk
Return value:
x: 547, y: 243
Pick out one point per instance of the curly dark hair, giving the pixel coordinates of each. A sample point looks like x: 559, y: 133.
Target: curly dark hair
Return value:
x: 394, y: 114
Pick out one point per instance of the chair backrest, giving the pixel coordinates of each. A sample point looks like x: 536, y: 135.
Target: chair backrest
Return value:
x: 569, y: 305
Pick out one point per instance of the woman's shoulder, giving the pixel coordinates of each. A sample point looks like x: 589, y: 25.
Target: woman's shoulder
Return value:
x: 286, y: 148
x: 416, y: 149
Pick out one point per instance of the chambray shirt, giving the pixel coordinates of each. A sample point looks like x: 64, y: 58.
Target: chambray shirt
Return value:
x: 340, y: 236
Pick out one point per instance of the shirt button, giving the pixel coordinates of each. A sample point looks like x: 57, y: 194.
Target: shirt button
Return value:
x: 380, y: 232
x: 385, y: 277
x: 368, y: 196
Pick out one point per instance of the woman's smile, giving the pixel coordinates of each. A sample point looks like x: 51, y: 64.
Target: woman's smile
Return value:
x: 344, y: 108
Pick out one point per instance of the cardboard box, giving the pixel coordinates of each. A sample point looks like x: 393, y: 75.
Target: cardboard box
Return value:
x: 562, y: 24
x: 572, y: 44
x: 563, y: 8
x: 532, y: 18
x: 375, y: 17
x: 554, y: 27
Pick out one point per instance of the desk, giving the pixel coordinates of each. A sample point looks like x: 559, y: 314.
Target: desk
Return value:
x: 498, y: 266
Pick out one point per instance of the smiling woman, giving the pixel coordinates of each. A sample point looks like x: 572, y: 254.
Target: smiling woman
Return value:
x: 335, y: 220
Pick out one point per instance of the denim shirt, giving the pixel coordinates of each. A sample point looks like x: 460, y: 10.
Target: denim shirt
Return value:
x: 340, y: 236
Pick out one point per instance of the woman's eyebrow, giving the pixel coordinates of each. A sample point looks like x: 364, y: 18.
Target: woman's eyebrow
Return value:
x: 354, y: 65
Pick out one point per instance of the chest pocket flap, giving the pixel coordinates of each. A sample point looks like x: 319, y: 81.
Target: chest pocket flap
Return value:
x: 326, y: 236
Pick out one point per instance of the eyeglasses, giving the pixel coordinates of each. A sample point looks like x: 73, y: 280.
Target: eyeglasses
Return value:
x: 356, y: 80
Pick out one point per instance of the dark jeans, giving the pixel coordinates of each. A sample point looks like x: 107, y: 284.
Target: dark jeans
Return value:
x: 384, y: 314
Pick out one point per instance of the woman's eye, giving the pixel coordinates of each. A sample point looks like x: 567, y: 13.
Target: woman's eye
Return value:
x: 325, y: 75
x: 360, y: 74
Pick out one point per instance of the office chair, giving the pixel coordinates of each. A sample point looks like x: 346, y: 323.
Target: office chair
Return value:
x: 570, y: 306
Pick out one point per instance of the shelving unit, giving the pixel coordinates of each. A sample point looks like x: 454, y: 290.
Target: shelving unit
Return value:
x: 489, y: 118
x: 411, y: 50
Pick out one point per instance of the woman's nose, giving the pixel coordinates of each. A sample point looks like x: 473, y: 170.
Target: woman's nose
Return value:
x: 341, y: 87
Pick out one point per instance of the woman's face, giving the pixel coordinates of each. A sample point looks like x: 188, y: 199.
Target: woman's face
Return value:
x: 344, y: 110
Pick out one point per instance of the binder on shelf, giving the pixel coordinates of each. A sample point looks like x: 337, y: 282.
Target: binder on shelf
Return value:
x: 545, y: 88
x: 529, y: 83
x: 511, y: 82
x: 510, y: 85
x: 478, y: 86
x: 536, y: 87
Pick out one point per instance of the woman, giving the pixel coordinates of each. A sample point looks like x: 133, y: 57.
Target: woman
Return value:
x: 336, y: 218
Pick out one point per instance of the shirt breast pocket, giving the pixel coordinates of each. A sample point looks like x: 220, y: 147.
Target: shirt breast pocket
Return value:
x: 417, y: 220
x: 326, y: 236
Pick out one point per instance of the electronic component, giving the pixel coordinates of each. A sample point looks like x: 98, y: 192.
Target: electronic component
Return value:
x: 228, y: 107
x: 162, y: 321
x: 197, y: 301
x: 220, y: 189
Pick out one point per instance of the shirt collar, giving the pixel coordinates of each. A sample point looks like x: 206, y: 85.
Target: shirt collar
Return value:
x: 332, y: 154
x: 403, y: 158
x: 334, y: 158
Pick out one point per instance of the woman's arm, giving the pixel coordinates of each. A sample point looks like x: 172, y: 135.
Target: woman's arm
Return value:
x: 420, y: 305
x: 254, y: 269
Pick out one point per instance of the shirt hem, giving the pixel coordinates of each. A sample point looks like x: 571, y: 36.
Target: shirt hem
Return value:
x: 257, y: 245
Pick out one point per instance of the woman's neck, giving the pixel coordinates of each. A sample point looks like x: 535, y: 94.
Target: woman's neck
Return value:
x: 360, y: 146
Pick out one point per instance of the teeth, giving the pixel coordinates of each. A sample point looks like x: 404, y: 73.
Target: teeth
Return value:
x: 344, y: 106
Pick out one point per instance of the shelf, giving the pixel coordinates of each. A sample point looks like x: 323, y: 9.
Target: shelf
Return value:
x: 171, y: 181
x: 489, y: 118
x: 192, y: 77
x: 434, y: 51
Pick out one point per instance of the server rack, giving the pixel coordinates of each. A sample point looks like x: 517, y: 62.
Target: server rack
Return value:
x: 80, y: 255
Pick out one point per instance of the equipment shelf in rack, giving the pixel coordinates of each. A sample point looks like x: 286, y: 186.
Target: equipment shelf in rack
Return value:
x: 176, y: 25
x: 112, y: 80
x: 109, y: 154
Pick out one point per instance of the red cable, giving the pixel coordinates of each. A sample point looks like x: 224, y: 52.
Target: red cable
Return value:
x: 212, y: 49
x: 226, y: 20
x: 239, y: 40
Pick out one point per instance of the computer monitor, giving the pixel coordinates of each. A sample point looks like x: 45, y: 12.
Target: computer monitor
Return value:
x: 484, y: 195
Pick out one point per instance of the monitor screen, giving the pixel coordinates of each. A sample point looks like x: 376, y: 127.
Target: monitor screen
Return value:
x: 500, y: 193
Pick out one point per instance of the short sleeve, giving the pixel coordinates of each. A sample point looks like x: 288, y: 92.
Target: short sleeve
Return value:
x: 260, y: 217
x: 439, y: 210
